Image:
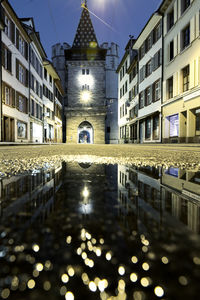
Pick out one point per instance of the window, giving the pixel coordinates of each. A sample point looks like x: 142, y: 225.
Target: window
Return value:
x: 21, y: 46
x: 170, y: 87
x: 7, y: 96
x: 142, y: 51
x: 85, y: 71
x: 6, y: 58
x: 21, y: 74
x: 141, y: 100
x: 185, y: 37
x: 120, y: 75
x: 148, y: 43
x: 21, y: 103
x: 50, y: 79
x: 156, y: 91
x: 170, y: 20
x: 186, y: 78
x: 37, y: 110
x: 148, y: 68
x: 184, y: 5
x: 148, y: 96
x: 157, y: 33
x: 171, y: 50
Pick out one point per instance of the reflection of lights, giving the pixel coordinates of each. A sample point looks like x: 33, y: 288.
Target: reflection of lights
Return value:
x: 65, y: 278
x: 145, y: 266
x: 36, y: 248
x: 121, y: 270
x: 133, y: 277
x: 69, y: 296
x: 92, y: 286
x: 134, y: 259
x: 31, y: 284
x: 85, y: 192
x: 39, y: 267
x: 145, y: 281
x: 159, y: 291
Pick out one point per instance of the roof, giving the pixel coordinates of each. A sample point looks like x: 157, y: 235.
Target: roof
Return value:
x: 85, y: 35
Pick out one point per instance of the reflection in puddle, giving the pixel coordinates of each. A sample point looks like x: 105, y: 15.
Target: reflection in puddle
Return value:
x: 89, y: 231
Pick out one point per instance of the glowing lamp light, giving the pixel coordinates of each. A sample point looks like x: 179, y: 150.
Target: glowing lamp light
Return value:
x: 93, y: 44
x: 85, y: 96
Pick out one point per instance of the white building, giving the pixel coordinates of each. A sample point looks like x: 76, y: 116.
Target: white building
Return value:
x: 37, y: 54
x: 149, y: 46
x: 123, y: 92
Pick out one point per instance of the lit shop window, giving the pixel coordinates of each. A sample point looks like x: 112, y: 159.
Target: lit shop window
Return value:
x: 174, y: 125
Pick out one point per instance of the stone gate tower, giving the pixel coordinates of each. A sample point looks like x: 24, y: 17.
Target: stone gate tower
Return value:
x: 82, y: 68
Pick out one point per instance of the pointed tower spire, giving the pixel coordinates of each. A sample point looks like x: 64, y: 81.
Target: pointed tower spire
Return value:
x: 85, y: 35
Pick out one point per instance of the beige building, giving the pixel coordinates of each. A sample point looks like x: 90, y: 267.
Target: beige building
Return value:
x: 181, y: 77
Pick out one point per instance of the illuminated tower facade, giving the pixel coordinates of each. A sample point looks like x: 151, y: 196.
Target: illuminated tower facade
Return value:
x: 83, y: 71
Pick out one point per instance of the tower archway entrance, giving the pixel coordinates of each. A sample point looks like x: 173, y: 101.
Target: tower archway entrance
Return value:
x: 85, y: 133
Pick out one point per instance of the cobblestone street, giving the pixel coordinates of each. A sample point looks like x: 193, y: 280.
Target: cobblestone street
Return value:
x: 17, y: 159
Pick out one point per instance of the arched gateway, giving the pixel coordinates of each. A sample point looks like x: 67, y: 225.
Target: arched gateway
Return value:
x: 85, y: 133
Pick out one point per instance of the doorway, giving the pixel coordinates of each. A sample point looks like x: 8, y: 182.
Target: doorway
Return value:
x: 85, y: 133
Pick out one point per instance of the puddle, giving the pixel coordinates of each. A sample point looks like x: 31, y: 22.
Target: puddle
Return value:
x: 95, y: 231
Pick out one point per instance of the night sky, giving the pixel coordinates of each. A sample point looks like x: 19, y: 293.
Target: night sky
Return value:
x: 57, y: 20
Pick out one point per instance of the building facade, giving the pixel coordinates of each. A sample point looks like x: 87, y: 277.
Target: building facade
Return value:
x: 28, y: 92
x: 181, y: 81
x: 149, y: 46
x: 90, y: 104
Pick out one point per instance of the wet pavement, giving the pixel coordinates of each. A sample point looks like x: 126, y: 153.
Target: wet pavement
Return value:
x: 100, y: 231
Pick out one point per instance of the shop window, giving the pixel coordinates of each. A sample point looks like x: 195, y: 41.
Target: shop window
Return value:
x: 21, y: 130
x: 186, y: 78
x: 197, y: 114
x: 173, y: 125
x: 156, y: 127
x: 148, y: 128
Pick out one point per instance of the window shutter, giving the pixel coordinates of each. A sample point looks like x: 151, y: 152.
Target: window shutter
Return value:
x: 153, y: 92
x: 3, y: 92
x: 160, y: 57
x: 17, y: 100
x: 17, y: 69
x: 13, y: 97
x: 26, y: 50
x: 27, y: 78
x: 9, y: 53
x: 141, y: 74
x: 144, y: 69
x: 159, y: 93
x: 3, y: 55
x: 17, y: 38
x: 12, y: 32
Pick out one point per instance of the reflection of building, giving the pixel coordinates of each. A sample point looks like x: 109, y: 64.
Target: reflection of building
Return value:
x: 181, y: 85
x: 157, y: 196
x: 29, y: 197
x: 83, y: 69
